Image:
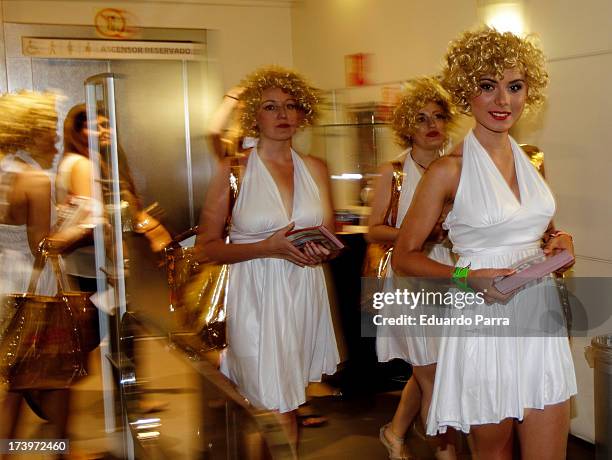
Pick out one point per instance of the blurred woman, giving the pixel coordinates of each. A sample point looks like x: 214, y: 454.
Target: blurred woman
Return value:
x: 280, y: 335
x: 73, y: 186
x: 420, y: 122
x: 223, y: 131
x: 499, y: 211
x: 27, y: 124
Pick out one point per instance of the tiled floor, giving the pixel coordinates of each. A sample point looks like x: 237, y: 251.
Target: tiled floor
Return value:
x: 352, y: 431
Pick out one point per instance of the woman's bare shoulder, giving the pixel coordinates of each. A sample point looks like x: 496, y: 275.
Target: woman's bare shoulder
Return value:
x: 32, y: 178
x: 316, y: 166
x: 449, y: 165
x: 30, y: 184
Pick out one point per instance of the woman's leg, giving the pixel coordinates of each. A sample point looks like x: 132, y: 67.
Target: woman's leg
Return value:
x: 255, y: 444
x: 56, y: 407
x: 543, y: 433
x: 493, y: 441
x: 9, y: 414
x: 406, y: 411
x: 443, y: 444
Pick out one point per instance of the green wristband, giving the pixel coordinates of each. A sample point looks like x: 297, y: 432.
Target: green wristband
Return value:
x: 459, y: 277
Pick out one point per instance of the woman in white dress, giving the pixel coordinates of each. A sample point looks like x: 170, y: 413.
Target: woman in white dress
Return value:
x: 280, y: 335
x: 28, y: 122
x: 500, y: 210
x: 420, y: 122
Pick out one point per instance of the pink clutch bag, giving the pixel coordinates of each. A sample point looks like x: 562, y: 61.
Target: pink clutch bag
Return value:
x: 532, y: 269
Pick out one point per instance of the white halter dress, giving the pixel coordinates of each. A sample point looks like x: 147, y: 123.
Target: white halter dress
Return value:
x: 485, y: 379
x: 417, y: 345
x: 16, y: 259
x: 280, y: 333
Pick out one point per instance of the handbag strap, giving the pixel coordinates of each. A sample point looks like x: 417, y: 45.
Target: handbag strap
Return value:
x: 235, y: 178
x: 39, y: 263
x: 40, y: 258
x: 396, y: 188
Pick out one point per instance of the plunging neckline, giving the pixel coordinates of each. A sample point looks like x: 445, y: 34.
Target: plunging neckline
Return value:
x: 278, y: 194
x: 417, y: 166
x: 519, y: 198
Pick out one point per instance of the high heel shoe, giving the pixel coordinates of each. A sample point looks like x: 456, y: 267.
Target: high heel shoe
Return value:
x: 392, y: 449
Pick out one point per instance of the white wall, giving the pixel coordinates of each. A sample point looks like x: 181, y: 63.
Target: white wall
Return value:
x: 406, y: 38
x: 574, y: 132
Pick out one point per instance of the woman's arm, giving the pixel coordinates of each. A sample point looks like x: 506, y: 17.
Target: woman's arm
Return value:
x: 318, y: 169
x: 435, y: 190
x: 37, y: 188
x: 320, y: 173
x: 68, y: 238
x: 380, y: 231
x: 210, y: 242
x: 556, y: 241
x: 80, y: 178
x: 221, y: 118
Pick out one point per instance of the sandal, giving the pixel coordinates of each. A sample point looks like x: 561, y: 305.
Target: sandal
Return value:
x: 308, y: 418
x: 392, y: 447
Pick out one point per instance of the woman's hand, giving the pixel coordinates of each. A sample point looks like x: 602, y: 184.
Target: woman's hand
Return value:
x: 159, y: 238
x: 318, y: 252
x: 153, y: 230
x: 279, y: 247
x: 559, y: 243
x: 482, y: 280
x: 54, y: 245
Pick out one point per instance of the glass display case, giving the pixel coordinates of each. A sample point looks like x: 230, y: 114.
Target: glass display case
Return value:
x: 353, y: 152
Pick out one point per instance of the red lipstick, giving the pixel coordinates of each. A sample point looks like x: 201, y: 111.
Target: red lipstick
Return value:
x: 500, y: 115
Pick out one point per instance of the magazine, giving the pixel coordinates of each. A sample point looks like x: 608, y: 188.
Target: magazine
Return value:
x: 320, y: 235
x: 532, y: 269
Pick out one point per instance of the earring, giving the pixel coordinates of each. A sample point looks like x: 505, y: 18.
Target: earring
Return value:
x: 444, y: 146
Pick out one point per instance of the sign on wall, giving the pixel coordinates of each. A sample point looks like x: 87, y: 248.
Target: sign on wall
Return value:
x: 357, y: 68
x: 115, y: 23
x: 62, y: 48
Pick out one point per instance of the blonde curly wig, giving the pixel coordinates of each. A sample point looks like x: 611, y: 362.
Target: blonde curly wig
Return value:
x: 23, y: 116
x: 275, y: 77
x: 417, y: 94
x: 488, y: 52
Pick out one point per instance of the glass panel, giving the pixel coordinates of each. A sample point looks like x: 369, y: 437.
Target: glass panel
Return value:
x: 151, y: 123
x: 353, y: 153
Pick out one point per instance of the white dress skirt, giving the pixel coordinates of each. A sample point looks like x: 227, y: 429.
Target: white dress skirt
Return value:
x: 486, y: 375
x: 417, y: 344
x: 280, y: 333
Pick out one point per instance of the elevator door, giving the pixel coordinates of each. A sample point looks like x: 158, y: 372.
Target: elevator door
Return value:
x: 160, y: 126
x: 155, y: 106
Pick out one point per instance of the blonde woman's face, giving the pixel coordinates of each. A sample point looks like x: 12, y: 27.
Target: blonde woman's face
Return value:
x: 500, y: 102
x: 279, y: 115
x: 430, y: 130
x: 43, y: 148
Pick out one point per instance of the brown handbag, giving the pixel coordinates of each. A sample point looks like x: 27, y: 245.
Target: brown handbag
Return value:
x: 378, y: 256
x: 199, y: 290
x: 44, y: 340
